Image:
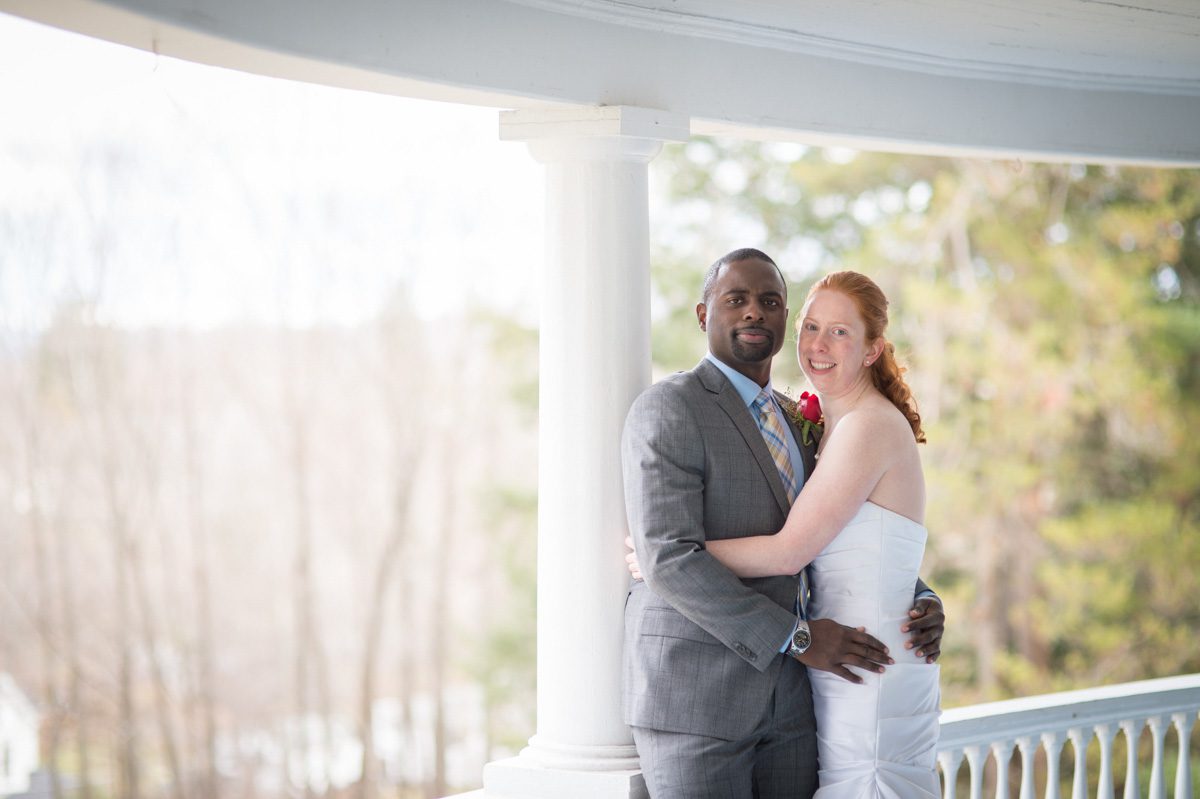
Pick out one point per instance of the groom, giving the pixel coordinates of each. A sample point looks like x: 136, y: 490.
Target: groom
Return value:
x: 715, y: 681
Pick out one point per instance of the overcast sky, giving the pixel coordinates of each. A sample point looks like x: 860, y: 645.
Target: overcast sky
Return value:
x: 233, y: 197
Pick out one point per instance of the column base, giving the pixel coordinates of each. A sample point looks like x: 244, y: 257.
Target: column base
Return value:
x: 524, y: 778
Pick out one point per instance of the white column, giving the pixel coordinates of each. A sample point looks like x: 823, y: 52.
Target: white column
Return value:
x: 1104, y: 734
x: 950, y: 760
x: 1079, y: 777
x: 1052, y: 744
x: 1028, y: 746
x: 976, y: 758
x: 594, y: 360
x: 1133, y: 733
x: 1158, y: 733
x: 1183, y: 769
x: 1002, y: 753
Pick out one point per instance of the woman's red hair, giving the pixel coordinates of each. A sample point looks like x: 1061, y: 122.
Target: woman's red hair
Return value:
x: 886, y: 373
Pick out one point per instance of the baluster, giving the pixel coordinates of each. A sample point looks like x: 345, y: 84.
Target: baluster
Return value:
x: 1158, y: 731
x: 1133, y: 730
x: 1052, y: 742
x: 1105, y: 734
x: 1027, y: 745
x: 1002, y: 754
x: 949, y: 760
x: 975, y: 762
x: 1079, y: 742
x: 1183, y: 769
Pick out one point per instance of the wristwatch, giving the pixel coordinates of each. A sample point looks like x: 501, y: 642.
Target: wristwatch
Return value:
x: 801, y: 639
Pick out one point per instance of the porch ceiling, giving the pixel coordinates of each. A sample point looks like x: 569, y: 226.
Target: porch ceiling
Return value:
x: 1086, y: 79
x: 1148, y: 46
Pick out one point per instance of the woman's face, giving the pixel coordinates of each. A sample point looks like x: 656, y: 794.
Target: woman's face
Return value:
x: 832, y: 343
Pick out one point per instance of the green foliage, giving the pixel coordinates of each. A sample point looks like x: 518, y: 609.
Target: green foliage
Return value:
x: 514, y: 346
x: 1050, y: 315
x: 505, y: 665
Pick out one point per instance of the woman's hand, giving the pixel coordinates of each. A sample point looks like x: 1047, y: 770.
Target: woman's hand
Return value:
x: 631, y: 561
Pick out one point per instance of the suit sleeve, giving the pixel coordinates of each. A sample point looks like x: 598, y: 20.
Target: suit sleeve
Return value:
x: 922, y: 588
x: 662, y: 454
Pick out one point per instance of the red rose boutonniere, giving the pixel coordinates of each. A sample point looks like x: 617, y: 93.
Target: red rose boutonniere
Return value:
x: 808, y: 417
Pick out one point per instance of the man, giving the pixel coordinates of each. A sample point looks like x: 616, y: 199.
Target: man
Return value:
x: 715, y: 681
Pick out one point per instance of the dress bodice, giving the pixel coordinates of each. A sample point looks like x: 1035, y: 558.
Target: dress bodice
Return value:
x: 866, y: 576
x: 877, y: 740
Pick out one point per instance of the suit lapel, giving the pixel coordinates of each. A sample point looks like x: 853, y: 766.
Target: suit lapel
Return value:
x: 731, y: 403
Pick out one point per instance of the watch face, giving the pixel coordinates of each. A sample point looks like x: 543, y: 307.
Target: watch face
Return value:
x: 801, y: 639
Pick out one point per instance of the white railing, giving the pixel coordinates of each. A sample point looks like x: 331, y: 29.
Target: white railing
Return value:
x: 1048, y: 722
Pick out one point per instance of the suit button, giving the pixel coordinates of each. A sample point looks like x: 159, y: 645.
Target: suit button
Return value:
x: 744, y: 651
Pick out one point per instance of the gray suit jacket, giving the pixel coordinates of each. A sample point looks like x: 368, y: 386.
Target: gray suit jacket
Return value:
x: 701, y: 645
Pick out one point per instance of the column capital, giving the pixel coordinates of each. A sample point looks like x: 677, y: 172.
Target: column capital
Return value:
x: 610, y: 132
x: 559, y: 122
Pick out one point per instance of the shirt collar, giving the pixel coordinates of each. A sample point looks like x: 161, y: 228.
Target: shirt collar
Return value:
x: 746, y: 388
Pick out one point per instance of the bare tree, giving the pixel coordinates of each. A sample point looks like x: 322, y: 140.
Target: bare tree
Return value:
x: 121, y: 550
x: 440, y: 609
x: 382, y: 584
x: 39, y: 537
x: 406, y: 671
x: 76, y: 709
x: 203, y: 682
x: 310, y: 666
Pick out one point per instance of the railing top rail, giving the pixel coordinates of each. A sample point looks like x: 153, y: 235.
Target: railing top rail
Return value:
x: 1062, y: 711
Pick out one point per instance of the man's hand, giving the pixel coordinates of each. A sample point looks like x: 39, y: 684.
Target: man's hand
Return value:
x: 631, y: 561
x: 927, y: 624
x: 835, y: 646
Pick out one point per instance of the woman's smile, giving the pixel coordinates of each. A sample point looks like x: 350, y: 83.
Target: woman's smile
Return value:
x: 820, y: 367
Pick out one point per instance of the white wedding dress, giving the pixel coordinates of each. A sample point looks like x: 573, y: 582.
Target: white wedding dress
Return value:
x: 878, y: 739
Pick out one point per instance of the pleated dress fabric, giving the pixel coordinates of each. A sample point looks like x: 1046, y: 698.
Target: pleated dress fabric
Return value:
x: 878, y: 739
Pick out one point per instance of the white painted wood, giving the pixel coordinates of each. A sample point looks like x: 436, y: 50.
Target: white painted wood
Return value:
x: 1076, y: 714
x: 925, y: 85
x: 1158, y: 732
x: 595, y: 312
x: 1133, y: 732
x: 1105, y: 734
x: 1052, y: 743
x: 995, y: 721
x: 1079, y: 743
x: 623, y: 122
x: 1028, y: 746
x: 944, y: 39
x: 976, y: 760
x: 1002, y: 754
x: 949, y: 760
x: 1183, y: 769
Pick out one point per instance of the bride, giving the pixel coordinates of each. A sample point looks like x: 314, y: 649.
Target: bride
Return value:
x: 858, y: 527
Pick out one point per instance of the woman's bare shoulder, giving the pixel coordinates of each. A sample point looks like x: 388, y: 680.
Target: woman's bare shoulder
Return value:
x: 878, y: 421
x: 877, y: 414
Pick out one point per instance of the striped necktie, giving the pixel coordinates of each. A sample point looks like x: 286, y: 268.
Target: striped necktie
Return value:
x: 771, y: 427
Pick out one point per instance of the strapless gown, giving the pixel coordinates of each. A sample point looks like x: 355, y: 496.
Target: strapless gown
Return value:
x: 878, y: 739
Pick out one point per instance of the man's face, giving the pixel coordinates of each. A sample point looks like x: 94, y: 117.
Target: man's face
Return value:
x: 746, y: 317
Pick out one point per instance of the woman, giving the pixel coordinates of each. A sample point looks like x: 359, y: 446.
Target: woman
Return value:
x: 859, y: 523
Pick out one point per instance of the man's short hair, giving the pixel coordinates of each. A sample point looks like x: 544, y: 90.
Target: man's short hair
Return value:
x: 744, y: 254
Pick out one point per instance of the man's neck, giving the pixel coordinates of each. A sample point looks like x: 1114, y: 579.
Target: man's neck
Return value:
x: 760, y: 373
